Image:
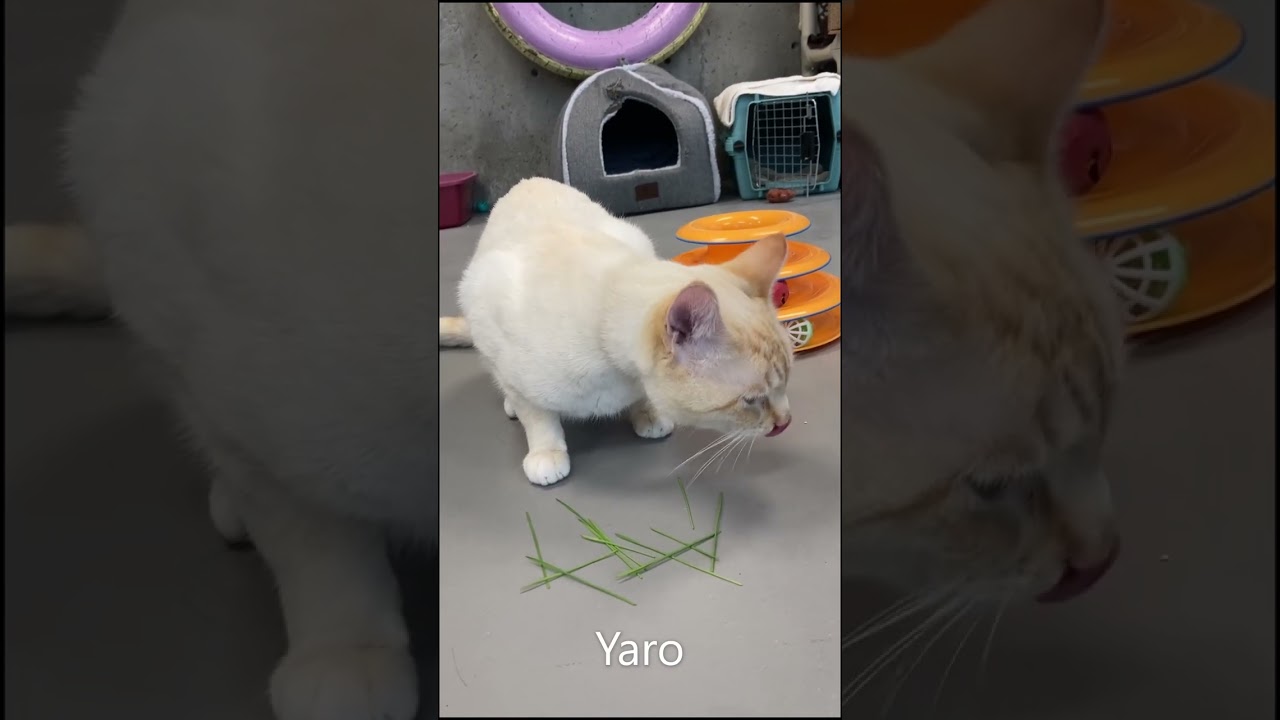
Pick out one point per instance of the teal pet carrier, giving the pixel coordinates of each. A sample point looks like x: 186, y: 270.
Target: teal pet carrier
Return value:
x: 785, y: 142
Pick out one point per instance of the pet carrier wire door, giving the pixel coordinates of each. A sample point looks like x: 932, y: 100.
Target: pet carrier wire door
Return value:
x: 790, y: 142
x: 784, y: 144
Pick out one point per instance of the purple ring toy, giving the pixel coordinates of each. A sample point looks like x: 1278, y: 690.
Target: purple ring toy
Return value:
x: 577, y: 53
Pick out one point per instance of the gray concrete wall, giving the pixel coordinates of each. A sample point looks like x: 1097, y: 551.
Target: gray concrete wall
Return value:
x: 49, y: 45
x: 498, y: 110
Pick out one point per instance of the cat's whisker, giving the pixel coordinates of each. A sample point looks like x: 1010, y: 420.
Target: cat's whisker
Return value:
x: 896, y: 649
x: 856, y: 634
x: 705, y: 465
x: 902, y: 679
x: 977, y: 620
x: 736, y: 442
x: 708, y: 446
x: 895, y: 613
x: 741, y: 447
x: 991, y: 636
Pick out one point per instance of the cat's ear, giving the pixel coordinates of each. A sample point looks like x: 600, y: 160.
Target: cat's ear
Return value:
x: 758, y: 266
x: 1020, y: 64
x: 693, y: 321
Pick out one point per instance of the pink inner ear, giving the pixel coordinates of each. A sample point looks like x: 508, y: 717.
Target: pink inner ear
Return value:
x: 694, y: 316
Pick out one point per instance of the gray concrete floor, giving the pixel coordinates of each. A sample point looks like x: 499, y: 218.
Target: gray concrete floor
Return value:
x: 768, y: 648
x: 121, y: 600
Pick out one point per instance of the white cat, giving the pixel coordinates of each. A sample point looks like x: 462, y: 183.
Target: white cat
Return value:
x: 983, y: 363
x: 670, y: 344
x: 252, y: 175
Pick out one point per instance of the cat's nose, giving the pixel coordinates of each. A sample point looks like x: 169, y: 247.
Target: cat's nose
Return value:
x: 779, y: 427
x: 1076, y: 581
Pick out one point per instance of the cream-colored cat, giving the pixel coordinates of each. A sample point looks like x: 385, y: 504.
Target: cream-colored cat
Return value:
x: 670, y: 344
x: 982, y: 358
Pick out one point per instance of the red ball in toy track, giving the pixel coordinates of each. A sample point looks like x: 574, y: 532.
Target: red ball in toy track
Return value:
x: 780, y: 293
x: 1085, y: 150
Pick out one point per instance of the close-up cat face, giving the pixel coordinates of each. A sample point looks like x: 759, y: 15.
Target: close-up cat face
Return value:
x: 982, y: 348
x: 723, y: 359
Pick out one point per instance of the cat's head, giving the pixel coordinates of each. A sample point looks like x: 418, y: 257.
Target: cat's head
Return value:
x: 722, y: 359
x: 981, y: 347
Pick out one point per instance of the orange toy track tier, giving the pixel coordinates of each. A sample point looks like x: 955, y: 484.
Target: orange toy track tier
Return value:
x: 1179, y: 154
x: 802, y: 258
x: 1231, y: 259
x: 744, y: 226
x: 1151, y: 44
x: 811, y: 295
x: 823, y: 329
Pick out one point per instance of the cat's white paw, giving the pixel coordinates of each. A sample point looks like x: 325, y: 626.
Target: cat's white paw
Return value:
x: 648, y: 425
x: 347, y: 683
x: 544, y: 467
x: 506, y: 408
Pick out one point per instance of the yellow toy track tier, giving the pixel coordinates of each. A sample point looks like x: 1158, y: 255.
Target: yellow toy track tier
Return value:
x: 826, y: 330
x: 802, y: 258
x: 1231, y: 259
x: 1180, y: 153
x: 743, y: 226
x: 1151, y: 44
x: 811, y: 294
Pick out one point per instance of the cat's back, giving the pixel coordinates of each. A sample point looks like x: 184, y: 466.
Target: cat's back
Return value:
x: 545, y: 235
x: 537, y: 210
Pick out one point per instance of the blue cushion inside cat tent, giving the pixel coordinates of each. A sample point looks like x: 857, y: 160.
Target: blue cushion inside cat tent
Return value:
x: 636, y: 140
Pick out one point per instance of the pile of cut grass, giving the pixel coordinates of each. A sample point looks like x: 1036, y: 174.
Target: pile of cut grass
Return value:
x: 626, y: 549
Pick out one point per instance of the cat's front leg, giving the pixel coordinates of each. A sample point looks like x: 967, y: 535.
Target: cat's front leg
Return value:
x: 648, y: 422
x: 547, y: 461
x: 348, y: 653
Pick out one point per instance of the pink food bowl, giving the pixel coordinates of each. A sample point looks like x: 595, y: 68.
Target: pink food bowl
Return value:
x: 455, y: 198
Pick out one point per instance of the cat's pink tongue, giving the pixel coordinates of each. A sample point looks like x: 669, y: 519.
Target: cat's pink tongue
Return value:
x: 777, y: 429
x: 1077, y: 581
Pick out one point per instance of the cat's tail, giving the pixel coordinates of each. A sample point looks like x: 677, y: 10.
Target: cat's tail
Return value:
x: 454, y: 332
x: 50, y: 271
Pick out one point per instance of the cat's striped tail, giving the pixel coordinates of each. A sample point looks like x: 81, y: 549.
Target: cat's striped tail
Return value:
x: 51, y: 271
x: 454, y: 332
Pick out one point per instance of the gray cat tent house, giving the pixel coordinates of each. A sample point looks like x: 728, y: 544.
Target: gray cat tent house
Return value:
x: 636, y: 140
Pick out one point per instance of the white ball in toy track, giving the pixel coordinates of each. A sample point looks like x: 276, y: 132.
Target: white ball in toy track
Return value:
x: 801, y: 332
x: 1148, y: 271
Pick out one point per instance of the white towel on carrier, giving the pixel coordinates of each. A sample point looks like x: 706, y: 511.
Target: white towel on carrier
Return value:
x: 725, y: 102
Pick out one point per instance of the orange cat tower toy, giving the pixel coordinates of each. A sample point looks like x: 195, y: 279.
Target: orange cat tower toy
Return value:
x: 1183, y: 215
x: 807, y: 299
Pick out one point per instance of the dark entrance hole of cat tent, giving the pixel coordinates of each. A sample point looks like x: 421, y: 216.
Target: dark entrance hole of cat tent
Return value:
x: 638, y: 137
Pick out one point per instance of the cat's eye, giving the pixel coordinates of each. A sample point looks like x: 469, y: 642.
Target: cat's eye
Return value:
x: 987, y: 489
x: 752, y: 400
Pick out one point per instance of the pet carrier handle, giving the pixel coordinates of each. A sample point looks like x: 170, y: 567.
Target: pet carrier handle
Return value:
x: 576, y: 53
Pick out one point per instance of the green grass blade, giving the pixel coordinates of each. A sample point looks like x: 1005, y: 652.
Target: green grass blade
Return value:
x: 688, y: 508
x: 715, y: 546
x: 663, y: 557
x: 575, y: 512
x: 627, y: 560
x: 595, y: 530
x: 575, y: 578
x: 537, y: 548
x: 688, y: 565
x: 673, y: 538
x: 542, y: 564
x: 631, y: 550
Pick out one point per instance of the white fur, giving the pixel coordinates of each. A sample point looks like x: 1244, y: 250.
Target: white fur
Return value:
x: 254, y: 175
x: 982, y: 317
x: 557, y: 299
